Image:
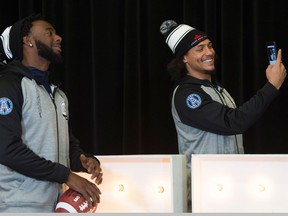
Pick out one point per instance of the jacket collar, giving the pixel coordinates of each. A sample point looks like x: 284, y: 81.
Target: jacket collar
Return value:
x: 16, y: 66
x: 192, y: 80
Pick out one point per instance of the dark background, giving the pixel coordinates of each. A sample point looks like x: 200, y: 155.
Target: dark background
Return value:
x: 114, y: 69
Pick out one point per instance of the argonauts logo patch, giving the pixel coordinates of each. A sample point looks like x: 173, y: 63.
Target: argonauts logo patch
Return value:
x: 193, y: 101
x: 6, y: 106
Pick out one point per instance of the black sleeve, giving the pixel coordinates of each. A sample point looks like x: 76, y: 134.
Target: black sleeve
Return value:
x: 74, y: 153
x: 217, y: 118
x: 13, y: 152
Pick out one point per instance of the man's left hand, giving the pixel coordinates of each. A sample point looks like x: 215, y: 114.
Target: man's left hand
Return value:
x: 93, y: 167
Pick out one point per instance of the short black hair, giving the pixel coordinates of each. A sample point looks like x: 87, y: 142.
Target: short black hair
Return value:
x: 27, y: 23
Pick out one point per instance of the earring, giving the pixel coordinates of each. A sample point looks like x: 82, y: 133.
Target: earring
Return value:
x: 30, y: 44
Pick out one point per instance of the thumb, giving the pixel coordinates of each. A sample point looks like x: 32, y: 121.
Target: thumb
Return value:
x: 279, y: 57
x: 83, y: 158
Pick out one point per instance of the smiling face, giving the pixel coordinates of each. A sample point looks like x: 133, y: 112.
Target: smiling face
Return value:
x: 199, y: 60
x: 48, y: 43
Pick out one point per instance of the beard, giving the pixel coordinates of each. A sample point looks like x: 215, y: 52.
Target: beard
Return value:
x: 48, y: 53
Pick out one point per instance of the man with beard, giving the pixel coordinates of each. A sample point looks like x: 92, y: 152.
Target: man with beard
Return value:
x: 206, y: 118
x: 38, y: 151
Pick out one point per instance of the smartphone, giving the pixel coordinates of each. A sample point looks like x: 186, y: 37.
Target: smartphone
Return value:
x: 271, y: 51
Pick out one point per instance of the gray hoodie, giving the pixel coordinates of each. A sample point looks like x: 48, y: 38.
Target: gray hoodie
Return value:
x: 35, y: 145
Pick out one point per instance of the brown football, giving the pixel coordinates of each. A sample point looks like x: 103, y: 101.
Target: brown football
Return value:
x: 72, y: 201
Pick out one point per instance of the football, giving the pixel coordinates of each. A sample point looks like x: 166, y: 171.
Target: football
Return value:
x: 72, y: 201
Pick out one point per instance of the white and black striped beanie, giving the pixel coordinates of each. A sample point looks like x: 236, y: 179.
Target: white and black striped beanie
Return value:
x: 11, y: 42
x: 181, y: 38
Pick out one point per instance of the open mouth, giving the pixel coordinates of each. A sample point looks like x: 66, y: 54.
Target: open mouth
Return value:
x: 57, y: 47
x: 208, y: 60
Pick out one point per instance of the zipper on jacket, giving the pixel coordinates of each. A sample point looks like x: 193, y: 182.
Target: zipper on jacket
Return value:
x: 52, y: 96
x: 222, y: 98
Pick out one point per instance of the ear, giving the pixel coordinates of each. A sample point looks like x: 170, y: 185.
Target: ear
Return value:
x: 27, y: 40
x: 184, y: 59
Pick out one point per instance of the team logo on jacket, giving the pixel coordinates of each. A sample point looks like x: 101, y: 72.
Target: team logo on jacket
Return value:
x: 6, y: 106
x: 193, y: 101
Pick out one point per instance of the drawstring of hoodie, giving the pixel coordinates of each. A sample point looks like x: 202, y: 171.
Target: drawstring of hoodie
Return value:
x: 39, y: 107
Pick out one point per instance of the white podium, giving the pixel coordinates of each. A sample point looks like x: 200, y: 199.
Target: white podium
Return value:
x: 142, y: 184
x: 239, y: 183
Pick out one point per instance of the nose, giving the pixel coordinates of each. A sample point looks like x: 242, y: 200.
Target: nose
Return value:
x: 58, y: 38
x: 209, y: 50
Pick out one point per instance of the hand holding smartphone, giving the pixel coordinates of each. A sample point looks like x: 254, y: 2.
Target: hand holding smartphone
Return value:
x: 271, y: 51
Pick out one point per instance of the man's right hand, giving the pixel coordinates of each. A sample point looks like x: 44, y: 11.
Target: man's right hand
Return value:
x: 85, y: 187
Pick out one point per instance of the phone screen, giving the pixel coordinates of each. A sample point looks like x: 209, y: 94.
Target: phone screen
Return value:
x: 272, y: 52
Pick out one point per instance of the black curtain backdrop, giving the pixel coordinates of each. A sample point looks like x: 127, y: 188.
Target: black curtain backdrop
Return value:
x: 114, y: 69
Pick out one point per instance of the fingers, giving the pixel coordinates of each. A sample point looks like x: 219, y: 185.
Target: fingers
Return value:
x: 279, y: 57
x: 276, y: 73
x: 98, y: 178
x: 92, y: 194
x: 88, y: 189
x: 83, y: 158
x: 92, y: 166
x: 279, y: 61
x: 96, y: 171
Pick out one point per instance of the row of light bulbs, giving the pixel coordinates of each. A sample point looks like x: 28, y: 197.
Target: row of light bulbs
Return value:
x: 260, y: 187
x: 160, y: 189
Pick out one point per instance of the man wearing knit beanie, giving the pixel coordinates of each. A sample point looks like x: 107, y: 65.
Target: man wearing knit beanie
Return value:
x: 206, y: 118
x: 11, y: 46
x: 38, y: 151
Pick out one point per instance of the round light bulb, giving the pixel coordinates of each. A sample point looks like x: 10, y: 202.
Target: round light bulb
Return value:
x: 261, y: 188
x: 160, y: 189
x: 119, y: 188
x: 220, y: 187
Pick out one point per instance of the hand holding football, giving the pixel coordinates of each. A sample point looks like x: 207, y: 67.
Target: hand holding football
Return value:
x: 72, y: 201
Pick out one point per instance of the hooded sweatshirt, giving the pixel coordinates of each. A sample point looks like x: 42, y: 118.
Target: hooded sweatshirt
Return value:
x: 207, y: 120
x: 34, y: 141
